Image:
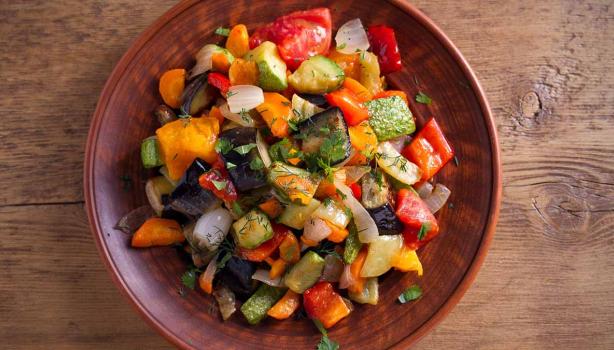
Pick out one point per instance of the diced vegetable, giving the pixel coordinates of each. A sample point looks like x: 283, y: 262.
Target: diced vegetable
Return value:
x: 352, y: 37
x: 298, y: 184
x: 352, y: 244
x: 354, y: 111
x: 286, y: 306
x: 217, y: 114
x: 390, y: 117
x: 172, y: 84
x: 289, y: 249
x: 184, y: 140
x: 155, y: 188
x: 197, y: 96
x: 315, y: 230
x: 221, y: 61
x: 397, y: 166
x: 212, y: 227
x: 325, y: 136
x: 157, y: 232
x: 381, y: 255
x: 407, y: 260
x: 243, y: 72
x: 367, y: 229
x: 317, y: 75
x: 298, y: 35
x: 226, y: 301
x: 390, y: 93
x: 295, y: 215
x: 354, y: 173
x: 252, y: 230
x: 370, y: 72
x: 218, y: 181
x: 375, y: 193
x: 420, y: 224
x: 263, y: 276
x: 205, y: 280
x: 369, y: 293
x: 322, y: 303
x: 237, y: 275
x: 243, y: 119
x: 361, y: 92
x: 150, y: 153
x: 429, y: 149
x: 271, y: 68
x: 357, y: 280
x: 276, y: 110
x: 327, y: 187
x: 130, y: 222
x: 437, y: 198
x: 332, y: 269
x: 386, y: 220
x: 238, y: 41
x: 384, y: 44
x: 267, y: 248
x: 271, y: 207
x: 363, y: 139
x: 204, y: 59
x: 349, y: 63
x: 278, y: 267
x: 285, y: 151
x: 305, y: 273
x: 189, y: 197
x: 219, y: 81
x: 256, y: 307
x: 303, y: 109
x: 241, y: 151
x: 242, y: 98
x: 332, y: 212
x: 164, y: 114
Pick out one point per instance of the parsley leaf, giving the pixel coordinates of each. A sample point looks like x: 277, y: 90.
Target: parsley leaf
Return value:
x: 341, y: 194
x: 243, y: 150
x: 220, y: 185
x: 421, y: 97
x: 222, y: 31
x: 223, y: 146
x: 256, y: 164
x: 423, y: 230
x: 230, y: 165
x: 293, y: 125
x: 342, y: 46
x: 325, y: 343
x: 189, y: 277
x: 412, y: 293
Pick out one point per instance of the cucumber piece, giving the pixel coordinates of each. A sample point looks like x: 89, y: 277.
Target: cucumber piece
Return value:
x: 390, y: 117
x: 369, y: 293
x: 295, y: 215
x: 395, y: 165
x: 298, y: 184
x: 256, y: 307
x: 352, y: 244
x: 253, y: 229
x: 325, y: 135
x: 381, y: 255
x: 317, y: 75
x: 150, y: 153
x: 271, y: 68
x: 305, y: 273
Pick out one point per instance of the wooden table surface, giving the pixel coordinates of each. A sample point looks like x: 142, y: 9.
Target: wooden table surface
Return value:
x: 547, y: 68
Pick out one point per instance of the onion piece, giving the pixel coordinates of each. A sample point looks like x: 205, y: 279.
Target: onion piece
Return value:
x: 352, y: 37
x: 333, y: 269
x: 263, y: 149
x: 437, y: 198
x: 400, y: 142
x: 131, y: 222
x: 243, y: 120
x: 346, y: 279
x: 354, y: 173
x: 212, y: 227
x: 244, y: 97
x: 316, y: 229
x: 207, y: 277
x: 425, y: 189
x: 303, y: 109
x: 367, y: 229
x: 226, y: 301
x: 263, y: 276
x: 203, y: 60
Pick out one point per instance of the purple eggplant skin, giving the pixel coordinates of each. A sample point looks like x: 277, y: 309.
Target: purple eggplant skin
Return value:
x: 197, y: 95
x: 242, y: 175
x: 189, y: 197
x: 318, y: 100
x: 386, y: 220
x: 322, y: 126
x: 237, y: 275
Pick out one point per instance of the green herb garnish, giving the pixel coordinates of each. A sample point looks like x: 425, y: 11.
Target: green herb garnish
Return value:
x: 256, y: 164
x: 219, y: 185
x: 412, y: 293
x: 222, y: 31
x: 223, y: 146
x: 189, y: 277
x: 342, y: 46
x: 325, y: 343
x: 230, y: 165
x: 243, y: 150
x: 424, y: 229
x: 421, y: 97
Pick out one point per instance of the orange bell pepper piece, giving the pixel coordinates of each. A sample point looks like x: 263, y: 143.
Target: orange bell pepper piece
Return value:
x: 354, y: 111
x: 267, y: 248
x: 243, y: 72
x: 220, y: 63
x: 290, y: 249
x: 206, y: 283
x: 407, y: 260
x: 276, y: 110
x: 337, y: 234
x: 359, y: 282
x: 350, y: 63
x: 271, y: 207
x: 325, y: 305
x: 171, y: 86
x: 278, y: 267
x: 390, y: 93
x: 238, y: 41
x: 286, y: 306
x: 358, y: 89
x: 157, y: 232
x: 217, y: 114
x: 362, y: 138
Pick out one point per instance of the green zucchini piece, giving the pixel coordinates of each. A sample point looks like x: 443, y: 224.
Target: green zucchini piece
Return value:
x: 256, y: 307
x: 390, y: 117
x: 253, y: 229
x: 305, y: 273
x: 271, y: 68
x: 352, y: 244
x: 150, y: 153
x: 295, y: 215
x: 317, y: 75
x: 298, y: 184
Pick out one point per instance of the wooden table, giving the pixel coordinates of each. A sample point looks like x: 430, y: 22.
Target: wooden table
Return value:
x: 546, y: 67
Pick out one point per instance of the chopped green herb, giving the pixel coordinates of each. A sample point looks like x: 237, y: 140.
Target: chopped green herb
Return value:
x: 325, y: 343
x: 341, y: 194
x: 222, y: 31
x: 421, y: 97
x: 325, y: 130
x: 222, y: 262
x: 236, y: 208
x: 243, y: 150
x: 230, y: 165
x: 412, y: 293
x: 256, y: 164
x: 230, y: 93
x: 223, y: 146
x: 424, y: 229
x: 293, y: 125
x: 342, y: 46
x: 220, y: 185
x: 189, y: 277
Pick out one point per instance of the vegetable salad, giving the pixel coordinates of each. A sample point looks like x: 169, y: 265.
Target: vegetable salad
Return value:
x: 288, y: 171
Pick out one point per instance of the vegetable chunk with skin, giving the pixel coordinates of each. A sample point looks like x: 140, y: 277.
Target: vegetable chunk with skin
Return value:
x: 390, y: 117
x: 157, y: 232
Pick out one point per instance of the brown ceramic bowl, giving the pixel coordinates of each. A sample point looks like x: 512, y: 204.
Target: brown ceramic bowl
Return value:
x: 150, y: 277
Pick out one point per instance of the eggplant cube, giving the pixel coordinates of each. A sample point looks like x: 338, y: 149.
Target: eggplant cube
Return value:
x: 244, y: 151
x: 189, y: 197
x: 326, y: 136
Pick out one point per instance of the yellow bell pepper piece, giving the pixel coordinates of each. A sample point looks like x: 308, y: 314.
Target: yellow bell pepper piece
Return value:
x: 407, y: 260
x: 276, y: 110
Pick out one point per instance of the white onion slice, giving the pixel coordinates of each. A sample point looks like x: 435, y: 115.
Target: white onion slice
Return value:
x: 367, y: 229
x: 351, y: 37
x: 353, y: 173
x: 400, y: 142
x: 316, y: 229
x: 346, y: 279
x: 424, y: 190
x: 209, y: 273
x: 244, y: 97
x: 263, y: 149
x: 437, y: 198
x: 212, y: 227
x: 263, y: 276
x: 332, y: 269
x: 243, y: 120
x: 203, y: 60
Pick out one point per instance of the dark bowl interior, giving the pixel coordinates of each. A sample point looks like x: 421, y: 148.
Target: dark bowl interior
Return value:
x: 150, y: 277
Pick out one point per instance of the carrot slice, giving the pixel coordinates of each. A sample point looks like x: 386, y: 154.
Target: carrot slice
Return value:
x: 171, y: 86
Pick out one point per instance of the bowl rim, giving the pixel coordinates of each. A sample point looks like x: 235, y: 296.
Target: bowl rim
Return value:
x: 137, y: 45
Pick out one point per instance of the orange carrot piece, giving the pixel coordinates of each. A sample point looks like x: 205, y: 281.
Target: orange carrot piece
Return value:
x: 271, y: 207
x: 171, y: 86
x: 238, y: 41
x: 278, y: 267
x: 157, y: 232
x: 220, y: 62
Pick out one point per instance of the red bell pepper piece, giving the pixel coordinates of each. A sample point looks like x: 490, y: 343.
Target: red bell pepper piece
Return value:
x: 298, y: 35
x: 356, y: 190
x: 429, y: 150
x: 324, y: 304
x: 220, y: 81
x: 384, y: 44
x: 267, y: 248
x: 413, y: 212
x: 218, y: 181
x: 353, y: 110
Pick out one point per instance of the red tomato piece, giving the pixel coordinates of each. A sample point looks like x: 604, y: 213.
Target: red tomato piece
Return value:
x: 298, y: 36
x: 384, y: 44
x: 356, y: 190
x: 429, y: 150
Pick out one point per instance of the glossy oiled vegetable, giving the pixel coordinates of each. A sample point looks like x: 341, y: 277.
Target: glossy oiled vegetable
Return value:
x: 256, y: 307
x: 157, y: 232
x: 305, y: 273
x: 237, y: 275
x: 150, y: 153
x: 381, y: 255
x: 172, y: 84
x: 189, y: 197
x: 196, y: 96
x: 298, y: 184
x: 295, y: 215
x: 252, y: 229
x: 286, y: 306
x: 271, y: 68
x: 325, y: 135
x: 276, y: 110
x: 322, y: 303
x: 390, y: 117
x: 240, y: 154
x: 317, y: 75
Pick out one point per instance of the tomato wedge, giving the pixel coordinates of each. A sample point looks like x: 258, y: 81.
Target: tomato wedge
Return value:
x: 298, y: 36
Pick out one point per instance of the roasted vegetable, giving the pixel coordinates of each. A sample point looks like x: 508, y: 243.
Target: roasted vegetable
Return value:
x: 375, y: 193
x: 315, y: 99
x: 256, y: 307
x: 171, y: 86
x: 164, y: 114
x: 276, y: 110
x: 420, y: 224
x: 305, y: 273
x: 295, y: 215
x: 157, y: 232
x: 395, y: 165
x: 286, y: 306
x: 390, y: 117
x: 352, y: 244
x: 197, y: 95
x: 267, y: 248
x: 407, y: 260
x: 369, y: 293
x: 289, y: 249
x: 369, y: 72
x: 296, y: 183
x: 130, y: 222
x: 384, y: 44
x: 150, y: 153
x: 322, y: 303
x: 253, y: 229
x: 237, y: 275
x: 226, y: 301
x: 238, y: 41
x: 429, y: 150
x: 325, y: 136
x: 155, y: 189
x: 243, y: 72
x: 189, y: 197
x: 317, y: 75
x: 271, y: 68
x: 381, y: 255
x: 240, y: 155
x: 354, y: 111
x: 333, y: 212
x: 303, y: 109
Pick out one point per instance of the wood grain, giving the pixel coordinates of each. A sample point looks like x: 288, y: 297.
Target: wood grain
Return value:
x: 547, y: 280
